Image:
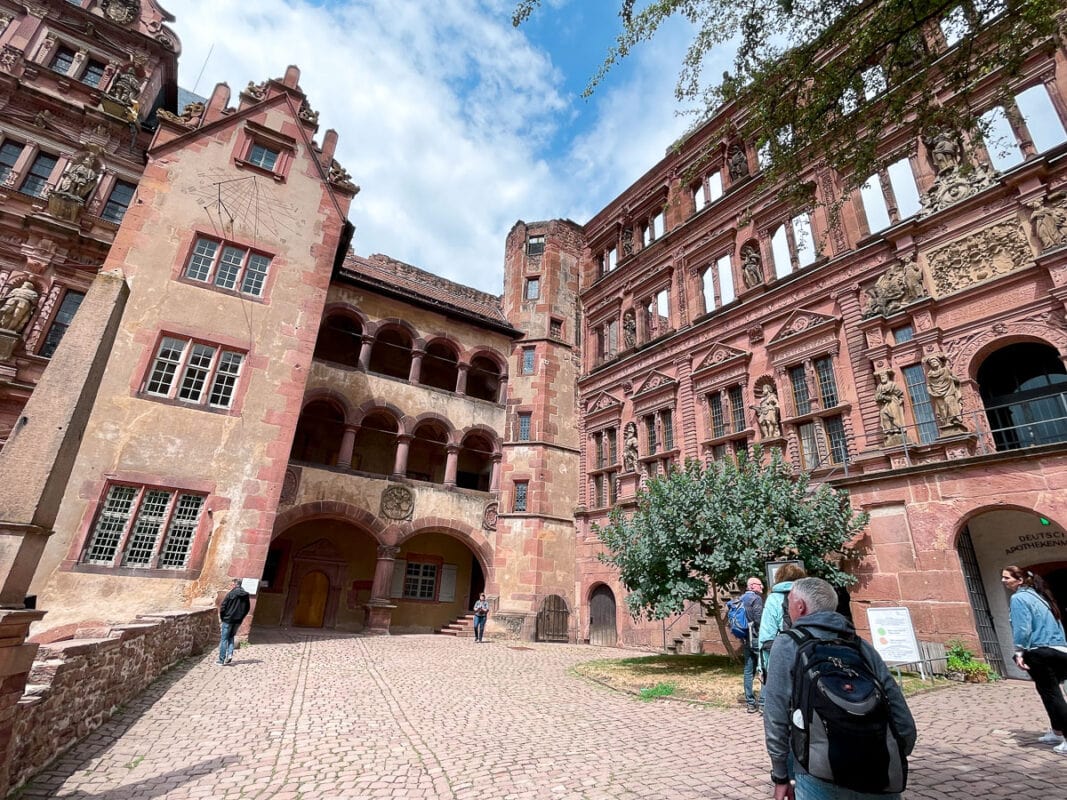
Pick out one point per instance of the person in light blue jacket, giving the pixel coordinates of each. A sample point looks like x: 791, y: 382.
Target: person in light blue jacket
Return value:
x: 775, y: 611
x: 1040, y: 644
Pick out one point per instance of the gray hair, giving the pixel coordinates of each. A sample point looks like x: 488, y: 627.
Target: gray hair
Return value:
x: 816, y: 593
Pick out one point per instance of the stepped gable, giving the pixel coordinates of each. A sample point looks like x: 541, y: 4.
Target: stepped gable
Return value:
x: 422, y: 286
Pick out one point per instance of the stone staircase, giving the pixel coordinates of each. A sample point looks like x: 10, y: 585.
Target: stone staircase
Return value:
x: 462, y: 627
x: 688, y: 639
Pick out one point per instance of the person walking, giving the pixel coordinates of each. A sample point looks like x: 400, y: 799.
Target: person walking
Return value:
x: 481, y: 614
x: 820, y: 672
x: 232, y: 612
x: 752, y: 600
x: 1040, y: 645
x: 775, y: 618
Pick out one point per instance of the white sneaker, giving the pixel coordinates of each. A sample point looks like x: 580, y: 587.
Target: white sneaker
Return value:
x: 1061, y: 748
x: 1050, y: 738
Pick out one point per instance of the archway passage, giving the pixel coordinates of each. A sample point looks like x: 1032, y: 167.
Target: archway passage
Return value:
x: 553, y: 620
x: 1024, y: 390
x: 312, y: 594
x: 602, y: 629
x: 988, y: 543
x: 340, y: 339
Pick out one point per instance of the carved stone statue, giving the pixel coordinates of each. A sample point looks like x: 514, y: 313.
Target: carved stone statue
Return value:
x: 629, y: 328
x: 900, y: 284
x: 126, y: 87
x: 629, y: 448
x: 944, y: 390
x: 192, y: 112
x: 944, y: 151
x: 751, y: 266
x: 1049, y: 221
x: 121, y: 11
x: 737, y: 162
x: 769, y: 414
x: 18, y: 307
x: 890, y: 400
x: 78, y: 179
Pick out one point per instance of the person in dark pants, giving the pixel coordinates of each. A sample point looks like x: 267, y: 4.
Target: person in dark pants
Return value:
x: 481, y: 614
x: 752, y: 600
x: 232, y: 612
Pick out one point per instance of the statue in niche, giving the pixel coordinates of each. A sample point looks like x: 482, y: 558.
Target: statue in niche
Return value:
x: 18, y: 307
x: 126, y: 87
x: 944, y: 390
x: 944, y: 151
x: 1049, y: 221
x: 890, y: 400
x: 737, y: 162
x: 769, y: 414
x: 79, y: 178
x: 629, y: 329
x: 751, y: 266
x: 627, y: 242
x: 629, y: 448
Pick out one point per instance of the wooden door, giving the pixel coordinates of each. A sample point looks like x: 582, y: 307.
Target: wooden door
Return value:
x: 311, y: 600
x: 602, y: 617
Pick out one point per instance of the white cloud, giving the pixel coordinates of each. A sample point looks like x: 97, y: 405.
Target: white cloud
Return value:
x: 444, y: 113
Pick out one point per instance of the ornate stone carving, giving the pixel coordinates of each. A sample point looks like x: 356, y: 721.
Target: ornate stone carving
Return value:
x: 629, y: 448
x: 257, y: 91
x: 121, y: 98
x: 290, y: 485
x: 10, y: 58
x: 388, y: 551
x: 600, y: 402
x: 489, y: 516
x: 627, y: 242
x: 121, y: 11
x: 944, y: 149
x: 751, y: 266
x: 737, y: 162
x: 339, y: 176
x: 18, y: 306
x: 956, y: 179
x: 307, y: 114
x: 900, y: 284
x: 1049, y: 218
x: 629, y: 329
x: 398, y: 502
x: 944, y: 390
x: 890, y: 400
x: 755, y: 334
x: 769, y: 414
x: 5, y: 20
x: 996, y: 250
x: 79, y: 178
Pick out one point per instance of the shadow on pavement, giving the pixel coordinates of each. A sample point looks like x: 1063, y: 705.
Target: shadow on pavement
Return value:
x: 160, y: 784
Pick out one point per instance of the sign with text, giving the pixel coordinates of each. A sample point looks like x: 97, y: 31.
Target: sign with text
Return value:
x: 250, y: 585
x: 893, y: 635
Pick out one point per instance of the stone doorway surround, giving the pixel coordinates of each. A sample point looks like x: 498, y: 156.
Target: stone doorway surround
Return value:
x: 319, y: 556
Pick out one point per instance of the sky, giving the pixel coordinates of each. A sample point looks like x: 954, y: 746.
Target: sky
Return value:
x: 454, y: 124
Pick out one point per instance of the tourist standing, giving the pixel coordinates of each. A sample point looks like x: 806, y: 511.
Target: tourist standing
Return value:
x: 232, y: 612
x: 775, y: 617
x: 481, y: 614
x: 752, y: 600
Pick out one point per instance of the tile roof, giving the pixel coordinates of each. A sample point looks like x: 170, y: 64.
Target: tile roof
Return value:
x: 423, y: 287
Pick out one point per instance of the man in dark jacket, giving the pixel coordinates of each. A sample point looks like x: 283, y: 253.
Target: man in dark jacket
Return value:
x: 232, y: 612
x: 752, y: 600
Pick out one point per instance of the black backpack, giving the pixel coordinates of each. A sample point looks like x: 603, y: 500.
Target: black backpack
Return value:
x: 841, y: 727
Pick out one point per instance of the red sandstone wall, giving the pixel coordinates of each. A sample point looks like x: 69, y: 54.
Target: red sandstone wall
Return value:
x: 77, y: 685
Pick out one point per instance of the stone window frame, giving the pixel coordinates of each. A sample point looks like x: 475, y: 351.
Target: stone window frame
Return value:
x: 115, y: 185
x: 655, y: 412
x: 888, y: 191
x: 528, y: 361
x: 53, y: 321
x: 181, y: 369
x: 720, y: 371
x: 48, y: 181
x: 716, y: 269
x: 520, y: 496
x: 253, y: 135
x: 703, y: 189
x: 531, y: 288
x: 221, y: 245
x: 196, y: 547
x: 523, y: 426
x: 535, y: 244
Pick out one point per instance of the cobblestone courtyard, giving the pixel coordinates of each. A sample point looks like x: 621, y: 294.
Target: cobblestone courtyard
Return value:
x: 314, y: 716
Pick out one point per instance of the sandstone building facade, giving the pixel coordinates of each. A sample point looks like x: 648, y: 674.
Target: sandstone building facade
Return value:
x: 376, y: 445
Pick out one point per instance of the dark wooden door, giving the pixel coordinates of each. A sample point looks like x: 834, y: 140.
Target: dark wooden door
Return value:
x: 602, y: 617
x: 311, y: 600
x: 553, y: 621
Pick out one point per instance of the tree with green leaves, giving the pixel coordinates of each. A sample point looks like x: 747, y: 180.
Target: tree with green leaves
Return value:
x: 698, y: 530
x: 827, y: 79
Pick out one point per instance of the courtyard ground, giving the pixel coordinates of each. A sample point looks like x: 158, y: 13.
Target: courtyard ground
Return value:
x: 318, y: 716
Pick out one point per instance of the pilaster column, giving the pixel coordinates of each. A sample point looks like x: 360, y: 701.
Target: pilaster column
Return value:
x: 502, y: 390
x: 415, y: 373
x: 400, y: 465
x: 461, y: 378
x: 348, y: 443
x: 451, y: 463
x: 364, y: 352
x: 379, y: 609
x: 494, y: 479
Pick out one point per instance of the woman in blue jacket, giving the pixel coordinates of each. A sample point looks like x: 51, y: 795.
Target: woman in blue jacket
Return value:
x: 1040, y: 644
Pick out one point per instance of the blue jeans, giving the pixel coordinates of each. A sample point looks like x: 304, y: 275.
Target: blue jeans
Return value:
x: 809, y: 788
x: 479, y: 628
x: 751, y: 657
x: 229, y: 630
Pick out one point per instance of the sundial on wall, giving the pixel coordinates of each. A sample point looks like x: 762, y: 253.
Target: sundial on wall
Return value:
x: 244, y: 204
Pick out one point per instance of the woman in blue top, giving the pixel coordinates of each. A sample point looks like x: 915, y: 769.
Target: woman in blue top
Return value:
x: 1040, y: 644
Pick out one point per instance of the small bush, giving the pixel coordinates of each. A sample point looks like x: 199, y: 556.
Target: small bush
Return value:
x: 659, y: 690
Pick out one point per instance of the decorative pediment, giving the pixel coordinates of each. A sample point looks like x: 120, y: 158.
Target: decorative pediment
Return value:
x: 602, y: 402
x: 721, y: 356
x: 803, y: 323
x: 655, y: 382
x: 720, y: 366
x: 321, y: 550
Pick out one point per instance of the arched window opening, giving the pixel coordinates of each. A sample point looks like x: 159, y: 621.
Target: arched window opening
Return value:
x: 440, y: 367
x: 375, y: 446
x: 474, y: 468
x: 1024, y: 390
x: 483, y: 380
x: 318, y: 434
x: 340, y: 339
x: 391, y: 353
x: 427, y: 454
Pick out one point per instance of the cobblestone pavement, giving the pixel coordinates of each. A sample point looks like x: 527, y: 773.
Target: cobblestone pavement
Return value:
x: 318, y: 716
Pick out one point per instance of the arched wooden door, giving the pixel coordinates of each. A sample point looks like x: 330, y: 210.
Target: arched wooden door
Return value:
x: 602, y: 617
x: 553, y: 621
x: 311, y: 600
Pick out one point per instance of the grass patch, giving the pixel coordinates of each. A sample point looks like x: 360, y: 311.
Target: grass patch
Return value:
x: 716, y: 680
x: 659, y: 690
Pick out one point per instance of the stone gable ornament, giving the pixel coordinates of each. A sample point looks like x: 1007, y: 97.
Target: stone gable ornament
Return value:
x: 490, y: 516
x: 121, y: 11
x: 956, y: 179
x: 398, y: 502
x: 900, y: 284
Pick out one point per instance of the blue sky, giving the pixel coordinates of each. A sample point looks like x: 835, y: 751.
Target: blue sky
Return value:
x: 454, y: 123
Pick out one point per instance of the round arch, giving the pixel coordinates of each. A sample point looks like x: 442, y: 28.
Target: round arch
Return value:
x: 603, y: 630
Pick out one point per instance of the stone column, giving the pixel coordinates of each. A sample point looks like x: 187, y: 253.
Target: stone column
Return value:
x: 461, y: 379
x: 379, y: 609
x: 451, y: 463
x: 502, y: 390
x: 364, y: 352
x: 415, y: 373
x: 400, y: 465
x: 494, y: 479
x: 348, y: 443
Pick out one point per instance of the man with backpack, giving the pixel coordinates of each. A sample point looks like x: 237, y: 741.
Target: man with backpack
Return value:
x: 743, y: 615
x: 832, y: 704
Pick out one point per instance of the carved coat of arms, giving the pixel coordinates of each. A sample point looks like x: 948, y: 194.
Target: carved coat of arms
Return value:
x: 121, y: 11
